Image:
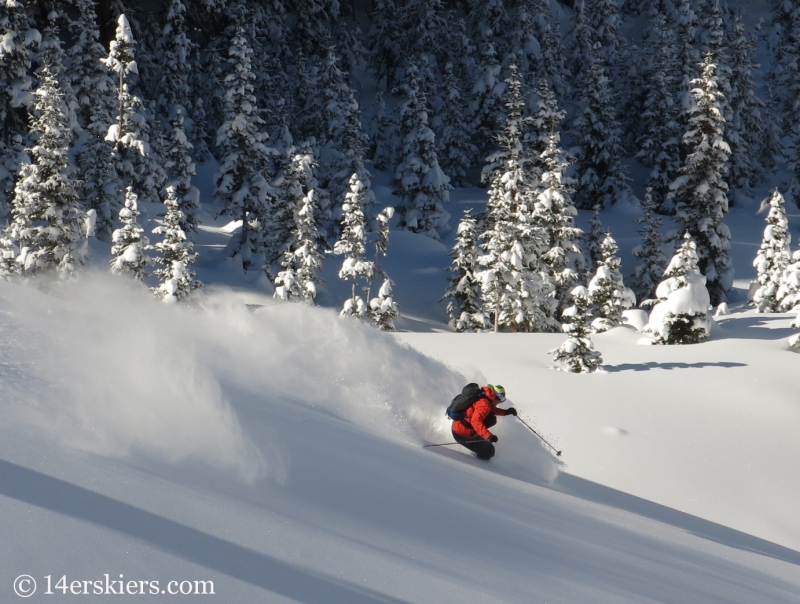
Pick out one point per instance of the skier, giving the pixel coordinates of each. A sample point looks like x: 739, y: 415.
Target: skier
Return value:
x: 473, y: 431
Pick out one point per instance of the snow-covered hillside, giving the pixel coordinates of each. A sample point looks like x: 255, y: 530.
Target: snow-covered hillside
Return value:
x: 277, y: 451
x: 238, y: 448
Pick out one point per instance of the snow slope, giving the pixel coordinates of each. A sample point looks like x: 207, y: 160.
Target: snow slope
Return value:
x: 277, y: 452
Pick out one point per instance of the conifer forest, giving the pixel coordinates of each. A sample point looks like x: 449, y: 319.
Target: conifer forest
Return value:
x: 109, y: 106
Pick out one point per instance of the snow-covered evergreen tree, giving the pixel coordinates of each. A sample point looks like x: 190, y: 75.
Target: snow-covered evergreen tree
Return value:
x: 47, y: 221
x: 577, y: 354
x: 659, y: 142
x: 652, y: 261
x: 788, y: 293
x: 341, y: 138
x: 128, y: 242
x: 302, y: 88
x: 302, y: 259
x: 486, y: 105
x: 455, y: 147
x: 502, y: 260
x: 134, y: 158
x: 208, y: 84
x: 513, y: 141
x: 352, y: 52
x: 418, y: 180
x: 713, y: 26
x: 352, y: 245
x: 280, y: 223
x: 241, y: 182
x: 658, y: 120
x: 746, y: 110
x: 550, y: 64
x: 793, y: 152
x: 379, y: 226
x: 632, y: 99
x: 463, y: 291
x: 422, y: 23
x: 555, y: 214
x: 770, y: 148
x: 516, y: 293
x: 700, y: 193
x: 148, y: 53
x: 176, y: 278
x: 515, y: 282
x: 51, y: 50
x: 99, y: 182
x: 488, y: 20
x: 202, y: 139
x: 94, y: 89
x: 383, y: 309
x: 783, y: 76
x: 98, y: 101
x: 607, y: 292
x: 580, y: 43
x: 175, y: 62
x: 622, y: 69
x: 773, y: 256
x: 13, y: 157
x: 602, y: 178
x: 523, y: 42
x: 271, y: 61
x: 665, y: 171
x: 381, y: 127
x: 688, y: 53
x: 8, y: 256
x: 314, y: 20
x: 180, y: 170
x: 681, y: 313
x: 637, y: 7
x: 461, y: 50
x: 384, y: 43
x: 546, y: 122
x: 19, y: 41
x: 714, y: 44
x: 610, y: 44
x: 594, y: 239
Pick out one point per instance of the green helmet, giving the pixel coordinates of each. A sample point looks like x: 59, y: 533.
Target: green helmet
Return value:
x: 499, y: 391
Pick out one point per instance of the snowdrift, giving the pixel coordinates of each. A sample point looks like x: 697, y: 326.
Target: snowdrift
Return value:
x: 104, y: 368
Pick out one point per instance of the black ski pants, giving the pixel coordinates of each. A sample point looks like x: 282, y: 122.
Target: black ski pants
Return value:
x: 482, y: 448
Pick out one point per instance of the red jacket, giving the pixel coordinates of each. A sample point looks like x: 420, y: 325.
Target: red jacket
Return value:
x: 476, y: 416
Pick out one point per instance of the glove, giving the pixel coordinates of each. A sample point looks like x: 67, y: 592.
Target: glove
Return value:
x: 511, y: 411
x: 493, y: 439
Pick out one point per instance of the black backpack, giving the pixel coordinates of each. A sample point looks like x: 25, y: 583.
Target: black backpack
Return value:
x: 458, y: 407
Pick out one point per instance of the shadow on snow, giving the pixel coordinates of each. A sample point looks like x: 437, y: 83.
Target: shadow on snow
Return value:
x: 669, y: 366
x: 250, y: 566
x: 705, y: 529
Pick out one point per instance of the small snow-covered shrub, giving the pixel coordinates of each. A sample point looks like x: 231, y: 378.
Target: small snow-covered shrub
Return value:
x: 577, y: 354
x: 681, y: 314
x: 773, y: 256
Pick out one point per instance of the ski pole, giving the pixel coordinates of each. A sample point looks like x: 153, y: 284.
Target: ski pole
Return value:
x: 465, y: 442
x: 558, y: 453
